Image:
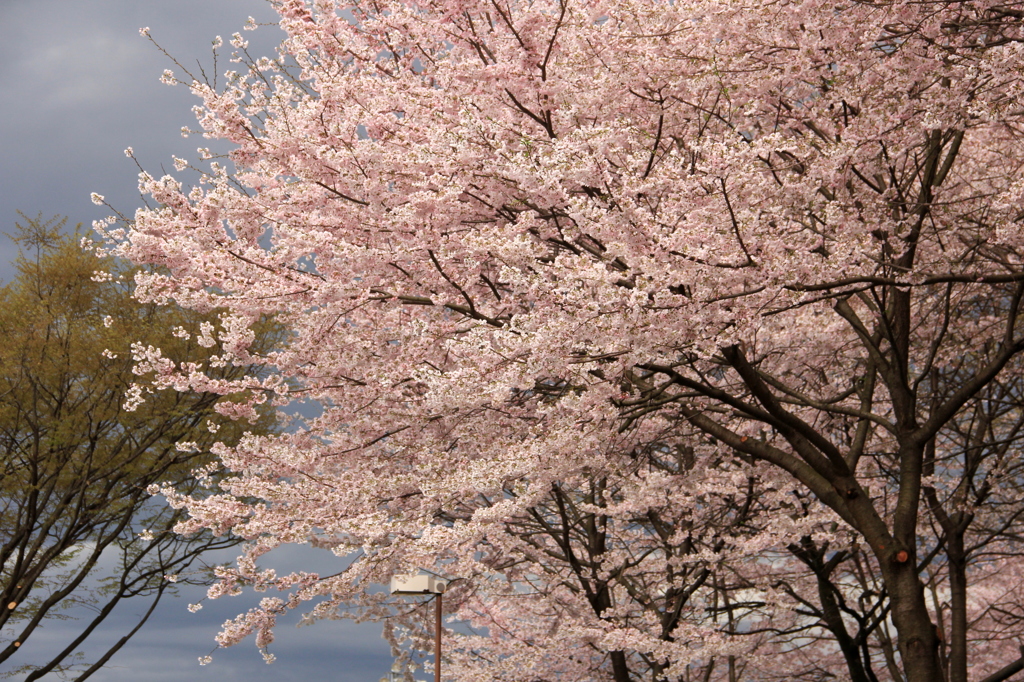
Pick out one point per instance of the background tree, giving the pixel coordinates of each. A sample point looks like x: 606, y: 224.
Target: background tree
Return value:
x: 79, y: 533
x: 517, y: 244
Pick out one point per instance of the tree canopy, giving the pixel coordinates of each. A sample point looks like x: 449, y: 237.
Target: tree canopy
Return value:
x: 79, y: 531
x: 680, y: 335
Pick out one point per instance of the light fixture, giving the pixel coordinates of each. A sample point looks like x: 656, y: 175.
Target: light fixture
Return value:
x: 416, y: 584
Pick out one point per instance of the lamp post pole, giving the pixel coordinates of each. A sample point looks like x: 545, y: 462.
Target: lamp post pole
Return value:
x: 414, y: 585
x: 437, y: 639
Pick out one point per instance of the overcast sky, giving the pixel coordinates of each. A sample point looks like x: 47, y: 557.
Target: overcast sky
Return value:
x: 78, y: 85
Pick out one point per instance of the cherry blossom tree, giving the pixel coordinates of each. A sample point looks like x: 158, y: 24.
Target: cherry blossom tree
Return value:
x: 524, y: 250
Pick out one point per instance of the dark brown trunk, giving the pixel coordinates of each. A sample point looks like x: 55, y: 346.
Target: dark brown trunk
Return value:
x: 620, y: 671
x: 917, y: 639
x: 958, y: 607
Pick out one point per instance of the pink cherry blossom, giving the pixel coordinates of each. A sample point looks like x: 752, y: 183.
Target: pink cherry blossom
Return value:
x: 675, y: 335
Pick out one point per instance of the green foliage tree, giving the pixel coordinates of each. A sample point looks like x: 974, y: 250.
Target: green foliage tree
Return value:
x: 77, y: 525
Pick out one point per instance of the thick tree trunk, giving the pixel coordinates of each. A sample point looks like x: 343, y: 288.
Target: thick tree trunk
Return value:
x: 917, y: 640
x: 958, y: 607
x: 620, y: 671
x: 917, y: 637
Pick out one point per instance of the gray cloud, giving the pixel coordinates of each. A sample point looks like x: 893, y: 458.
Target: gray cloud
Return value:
x: 79, y: 85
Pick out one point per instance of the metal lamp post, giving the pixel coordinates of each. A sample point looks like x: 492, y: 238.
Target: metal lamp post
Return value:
x: 415, y: 585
